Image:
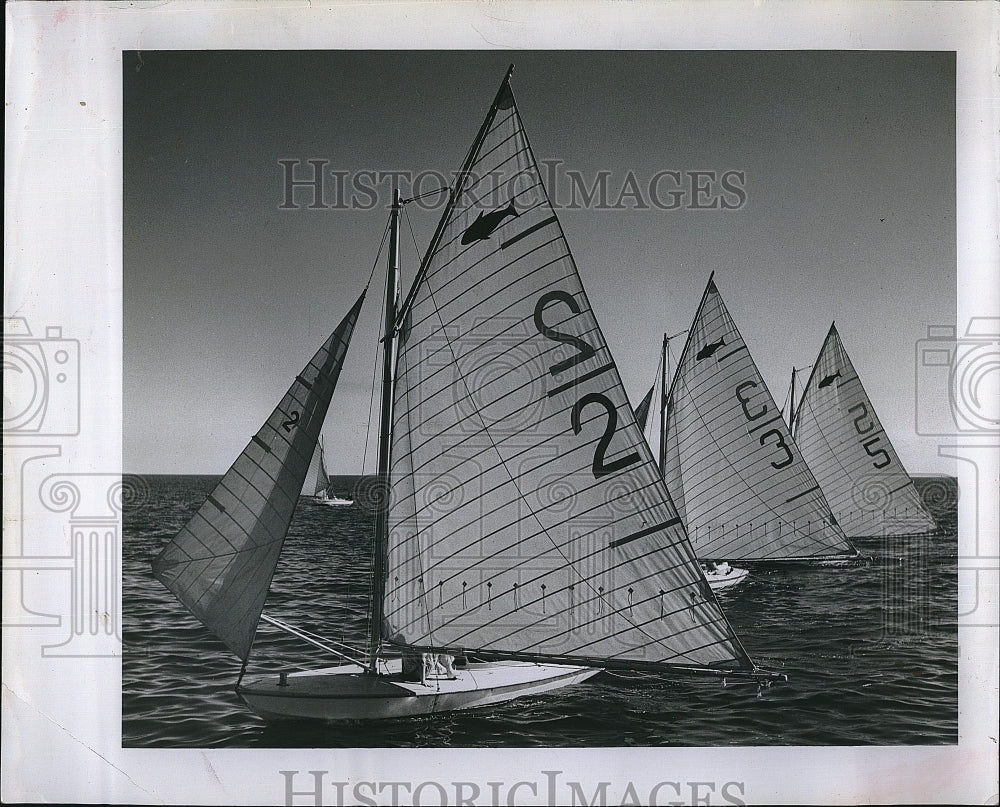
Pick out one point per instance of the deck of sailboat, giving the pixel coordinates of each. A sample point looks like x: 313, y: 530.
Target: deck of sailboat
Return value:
x: 348, y: 692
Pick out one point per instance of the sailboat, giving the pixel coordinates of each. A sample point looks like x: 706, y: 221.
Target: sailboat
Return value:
x: 317, y: 484
x: 845, y: 445
x: 740, y: 484
x: 721, y: 575
x: 525, y: 528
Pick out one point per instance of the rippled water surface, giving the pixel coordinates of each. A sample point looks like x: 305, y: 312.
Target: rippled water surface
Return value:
x: 870, y: 651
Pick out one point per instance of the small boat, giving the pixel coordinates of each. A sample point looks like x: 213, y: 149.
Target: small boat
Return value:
x: 525, y: 539
x: 722, y: 576
x: 317, y: 484
x: 845, y: 445
x: 742, y: 487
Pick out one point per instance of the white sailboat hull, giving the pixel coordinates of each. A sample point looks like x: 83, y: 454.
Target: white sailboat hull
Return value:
x: 718, y: 581
x: 333, y: 502
x: 349, y: 693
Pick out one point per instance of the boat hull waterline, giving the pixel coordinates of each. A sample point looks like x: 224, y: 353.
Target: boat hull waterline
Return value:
x: 347, y: 692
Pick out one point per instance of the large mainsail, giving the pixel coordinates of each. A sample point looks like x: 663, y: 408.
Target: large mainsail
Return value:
x: 527, y: 517
x: 740, y: 484
x: 221, y: 562
x: 847, y: 449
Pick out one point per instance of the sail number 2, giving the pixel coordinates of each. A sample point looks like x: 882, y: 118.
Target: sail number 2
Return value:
x: 600, y: 466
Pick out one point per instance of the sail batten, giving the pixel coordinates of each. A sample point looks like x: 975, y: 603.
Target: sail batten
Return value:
x: 850, y: 453
x: 221, y: 562
x: 522, y: 490
x: 739, y: 481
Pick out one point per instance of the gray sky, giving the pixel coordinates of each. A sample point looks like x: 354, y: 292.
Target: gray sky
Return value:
x: 848, y: 161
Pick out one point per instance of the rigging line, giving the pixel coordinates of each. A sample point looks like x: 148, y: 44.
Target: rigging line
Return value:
x: 409, y: 226
x: 368, y: 428
x: 788, y: 394
x: 650, y: 427
x: 385, y: 233
x: 442, y: 189
x: 371, y: 396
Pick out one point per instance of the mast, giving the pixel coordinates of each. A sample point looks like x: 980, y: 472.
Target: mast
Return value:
x: 385, y: 427
x: 791, y: 406
x: 661, y: 460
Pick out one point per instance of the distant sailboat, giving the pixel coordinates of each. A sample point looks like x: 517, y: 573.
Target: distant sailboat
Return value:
x: 843, y: 442
x: 740, y: 484
x: 721, y: 575
x: 317, y: 484
x: 528, y: 529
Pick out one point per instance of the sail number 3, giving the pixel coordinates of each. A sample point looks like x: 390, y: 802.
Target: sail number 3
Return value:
x: 600, y: 467
x: 779, y: 438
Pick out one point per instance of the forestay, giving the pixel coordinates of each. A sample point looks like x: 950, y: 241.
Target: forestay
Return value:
x: 844, y: 443
x: 221, y: 562
x: 527, y: 516
x: 740, y: 484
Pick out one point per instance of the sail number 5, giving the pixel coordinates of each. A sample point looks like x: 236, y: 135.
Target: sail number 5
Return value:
x: 600, y: 466
x: 863, y: 424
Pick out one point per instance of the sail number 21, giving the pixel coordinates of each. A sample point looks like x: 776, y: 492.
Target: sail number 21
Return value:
x: 600, y: 466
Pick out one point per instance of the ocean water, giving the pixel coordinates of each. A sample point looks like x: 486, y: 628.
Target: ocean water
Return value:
x: 871, y: 651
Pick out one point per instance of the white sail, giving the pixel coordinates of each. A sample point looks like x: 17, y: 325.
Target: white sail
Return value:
x: 847, y: 449
x: 221, y: 562
x: 740, y: 484
x: 649, y: 417
x: 527, y: 516
x: 317, y: 480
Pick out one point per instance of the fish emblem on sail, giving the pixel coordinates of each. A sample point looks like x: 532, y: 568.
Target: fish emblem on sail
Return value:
x: 485, y: 223
x: 709, y: 350
x: 828, y: 380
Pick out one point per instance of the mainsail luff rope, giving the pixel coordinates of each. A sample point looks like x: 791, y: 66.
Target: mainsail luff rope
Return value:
x: 492, y: 539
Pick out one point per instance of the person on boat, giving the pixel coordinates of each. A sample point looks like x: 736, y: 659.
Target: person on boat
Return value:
x: 413, y: 666
x: 439, y: 665
x: 447, y: 664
